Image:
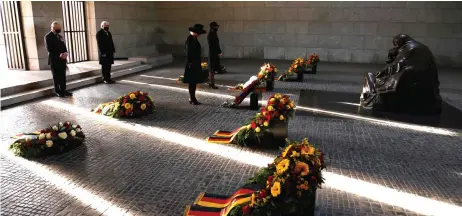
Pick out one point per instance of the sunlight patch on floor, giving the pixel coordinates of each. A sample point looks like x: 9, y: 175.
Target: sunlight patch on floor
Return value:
x: 66, y: 185
x: 376, y: 192
x: 414, y: 127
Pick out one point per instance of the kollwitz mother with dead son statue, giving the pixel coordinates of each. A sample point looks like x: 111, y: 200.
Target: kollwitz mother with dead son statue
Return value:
x: 409, y: 83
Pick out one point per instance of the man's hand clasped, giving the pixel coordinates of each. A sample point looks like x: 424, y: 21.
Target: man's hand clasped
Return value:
x: 63, y: 55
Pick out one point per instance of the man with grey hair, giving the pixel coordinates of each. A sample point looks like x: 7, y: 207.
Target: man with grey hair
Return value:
x: 106, y: 51
x: 57, y: 55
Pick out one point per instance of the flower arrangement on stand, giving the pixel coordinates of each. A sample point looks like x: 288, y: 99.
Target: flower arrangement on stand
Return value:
x: 291, y: 182
x: 205, y: 73
x: 268, y: 128
x: 274, y: 115
x: 312, y: 63
x: 266, y: 73
x: 52, y: 140
x: 287, y: 186
x: 312, y: 60
x: 134, y: 104
x: 296, y: 69
x: 263, y: 79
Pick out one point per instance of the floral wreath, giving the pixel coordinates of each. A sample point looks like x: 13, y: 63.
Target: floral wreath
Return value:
x: 279, y: 108
x: 290, y: 182
x: 133, y: 104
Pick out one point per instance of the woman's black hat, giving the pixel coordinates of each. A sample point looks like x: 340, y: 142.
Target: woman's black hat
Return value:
x: 214, y: 24
x: 198, y: 29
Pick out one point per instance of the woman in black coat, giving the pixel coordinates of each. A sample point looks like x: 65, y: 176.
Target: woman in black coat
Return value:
x: 214, y: 53
x: 193, y: 70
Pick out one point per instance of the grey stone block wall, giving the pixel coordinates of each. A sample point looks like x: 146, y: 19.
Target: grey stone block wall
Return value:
x: 133, y: 26
x: 359, y: 32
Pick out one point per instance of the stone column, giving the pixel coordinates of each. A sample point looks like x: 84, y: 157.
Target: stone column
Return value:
x: 91, y: 30
x: 37, y: 17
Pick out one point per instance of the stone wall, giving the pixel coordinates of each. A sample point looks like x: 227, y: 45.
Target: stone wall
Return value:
x: 133, y: 26
x: 37, y: 17
x: 359, y: 32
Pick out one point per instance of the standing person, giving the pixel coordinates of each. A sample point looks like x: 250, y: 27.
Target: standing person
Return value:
x: 106, y: 51
x: 193, y: 69
x: 214, y: 53
x: 57, y: 55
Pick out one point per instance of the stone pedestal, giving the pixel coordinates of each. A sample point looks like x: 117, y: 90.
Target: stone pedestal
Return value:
x: 300, y: 76
x: 311, y: 70
x: 254, y: 98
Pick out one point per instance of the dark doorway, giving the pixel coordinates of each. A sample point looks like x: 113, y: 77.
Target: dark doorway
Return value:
x: 75, y: 30
x: 12, y: 44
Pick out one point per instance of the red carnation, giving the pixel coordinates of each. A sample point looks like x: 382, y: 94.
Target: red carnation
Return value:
x: 253, y: 125
x: 121, y: 113
x: 125, y: 100
x: 28, y: 144
x: 137, y: 93
x: 42, y: 141
x: 53, y: 134
x: 281, y: 106
x: 142, y: 98
x: 127, y: 112
x: 263, y: 194
x: 270, y: 178
x: 43, y: 131
x: 246, y: 210
x: 313, y: 178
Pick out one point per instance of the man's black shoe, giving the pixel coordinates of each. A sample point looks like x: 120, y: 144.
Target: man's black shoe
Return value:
x: 66, y: 93
x: 109, y: 81
x: 59, y: 95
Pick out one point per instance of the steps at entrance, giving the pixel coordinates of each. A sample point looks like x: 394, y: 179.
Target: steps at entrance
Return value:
x: 154, y: 60
x: 82, y: 74
x: 88, y: 78
x: 87, y: 71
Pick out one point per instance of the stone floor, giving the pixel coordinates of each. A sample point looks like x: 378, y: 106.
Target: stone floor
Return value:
x: 158, y: 164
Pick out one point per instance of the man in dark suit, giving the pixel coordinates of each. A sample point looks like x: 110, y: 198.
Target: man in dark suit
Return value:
x: 57, y: 55
x: 106, y: 51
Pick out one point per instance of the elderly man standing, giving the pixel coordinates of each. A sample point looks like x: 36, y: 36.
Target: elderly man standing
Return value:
x: 57, y: 55
x: 106, y: 51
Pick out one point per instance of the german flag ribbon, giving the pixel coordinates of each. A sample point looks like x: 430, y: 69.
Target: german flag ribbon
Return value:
x: 217, y: 205
x: 196, y: 210
x: 24, y: 135
x: 224, y: 137
x: 218, y: 201
x: 222, y: 133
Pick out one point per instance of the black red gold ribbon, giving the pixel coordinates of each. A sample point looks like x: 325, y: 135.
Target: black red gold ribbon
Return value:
x: 217, y: 205
x: 223, y: 137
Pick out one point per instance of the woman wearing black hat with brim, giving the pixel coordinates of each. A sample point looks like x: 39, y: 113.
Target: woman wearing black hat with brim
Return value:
x: 214, y: 53
x: 193, y: 71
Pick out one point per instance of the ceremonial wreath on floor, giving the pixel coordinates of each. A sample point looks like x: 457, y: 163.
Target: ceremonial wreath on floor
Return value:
x: 55, y: 139
x: 264, y: 129
x: 287, y: 186
x: 134, y: 104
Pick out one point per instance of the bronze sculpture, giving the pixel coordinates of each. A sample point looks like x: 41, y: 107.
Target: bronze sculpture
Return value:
x: 409, y: 83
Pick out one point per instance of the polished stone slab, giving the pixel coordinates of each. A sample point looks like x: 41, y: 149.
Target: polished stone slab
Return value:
x: 348, y: 103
